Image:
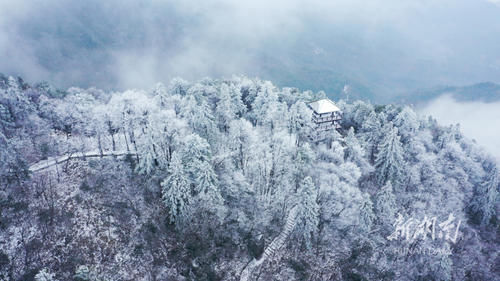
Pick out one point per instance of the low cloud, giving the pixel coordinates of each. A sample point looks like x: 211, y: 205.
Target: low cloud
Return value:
x: 478, y: 120
x: 388, y: 45
x: 496, y: 2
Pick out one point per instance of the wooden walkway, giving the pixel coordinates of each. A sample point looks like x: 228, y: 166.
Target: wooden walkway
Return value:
x: 52, y: 161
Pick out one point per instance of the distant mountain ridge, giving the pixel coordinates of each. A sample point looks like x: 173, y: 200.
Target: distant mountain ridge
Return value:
x: 484, y: 91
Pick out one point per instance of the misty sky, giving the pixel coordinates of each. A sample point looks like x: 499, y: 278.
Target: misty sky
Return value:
x: 380, y: 48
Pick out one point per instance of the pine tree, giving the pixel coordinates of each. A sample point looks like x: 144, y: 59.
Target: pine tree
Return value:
x: 147, y: 155
x: 206, y: 183
x: 389, y: 163
x: 241, y: 138
x: 407, y: 123
x: 207, y: 189
x: 303, y: 160
x: 356, y: 113
x: 196, y: 110
x: 224, y: 110
x: 160, y: 95
x: 485, y: 199
x: 448, y: 136
x: 366, y: 215
x: 352, y: 146
x: 385, y: 204
x: 176, y: 193
x: 236, y: 99
x: 440, y: 267
x: 361, y: 110
x: 203, y: 121
x: 267, y: 110
x: 300, y: 122
x: 178, y: 86
x: 195, y: 149
x: 370, y: 132
x: 5, y: 155
x: 308, y: 212
x: 265, y: 98
x: 355, y: 153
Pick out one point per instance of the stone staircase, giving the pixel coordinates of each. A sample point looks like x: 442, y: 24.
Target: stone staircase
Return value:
x: 275, y: 245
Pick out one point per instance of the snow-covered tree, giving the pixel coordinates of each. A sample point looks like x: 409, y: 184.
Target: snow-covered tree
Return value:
x: 195, y: 150
x: 45, y: 275
x: 407, y: 123
x: 366, y: 215
x: 5, y: 156
x: 303, y: 162
x: 207, y: 189
x: 486, y: 200
x: 178, y: 86
x: 355, y: 153
x: 237, y: 101
x: 176, y: 193
x: 206, y: 181
x: 224, y: 111
x: 168, y: 131
x: 242, y: 137
x: 160, y: 95
x: 269, y: 170
x: 85, y: 273
x: 448, y: 135
x: 356, y: 113
x: 147, y: 153
x: 202, y: 120
x: 308, y: 213
x: 440, y: 267
x: 267, y: 110
x: 370, y: 131
x: 300, y: 122
x: 389, y: 163
x: 385, y: 204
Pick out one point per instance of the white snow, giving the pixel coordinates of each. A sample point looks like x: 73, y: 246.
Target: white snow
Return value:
x: 323, y: 106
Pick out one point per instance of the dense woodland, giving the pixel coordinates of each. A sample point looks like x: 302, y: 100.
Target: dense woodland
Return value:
x: 192, y: 181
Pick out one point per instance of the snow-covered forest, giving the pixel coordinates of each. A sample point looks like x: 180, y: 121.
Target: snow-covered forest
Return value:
x: 218, y: 180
